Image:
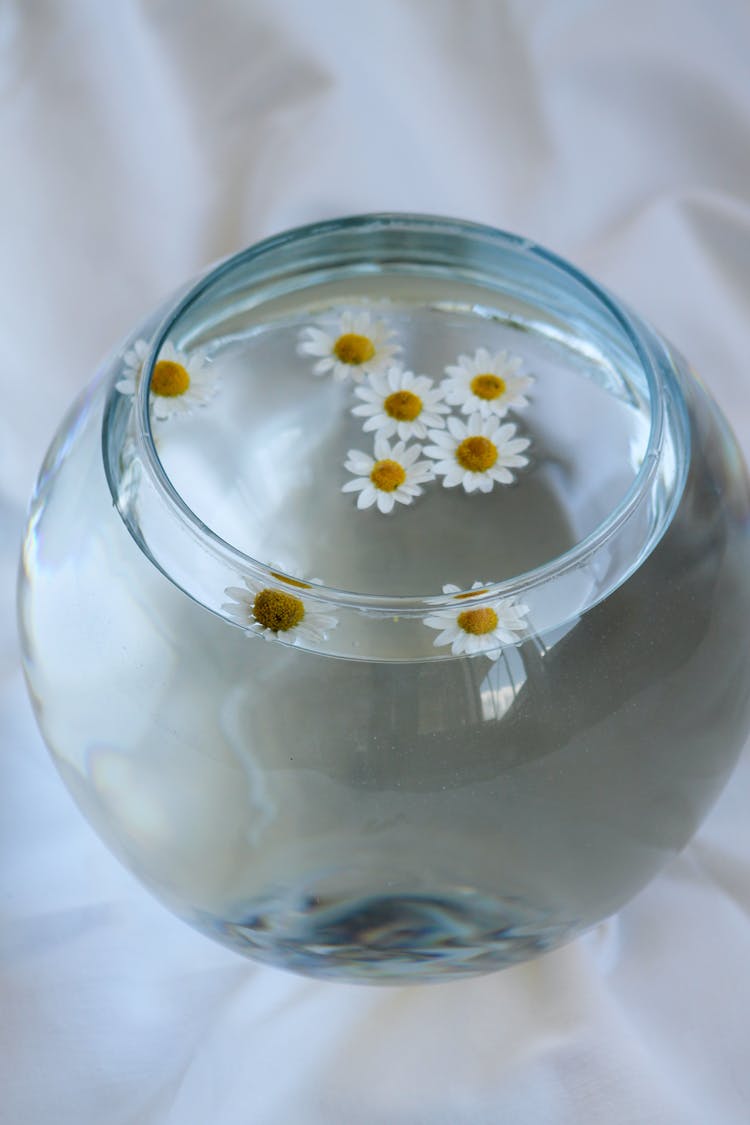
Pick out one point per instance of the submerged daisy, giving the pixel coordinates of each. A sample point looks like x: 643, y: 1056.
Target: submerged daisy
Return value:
x: 400, y: 402
x: 392, y: 475
x: 178, y: 382
x: 481, y: 628
x: 486, y: 383
x: 273, y: 613
x: 357, y: 346
x: 477, y: 453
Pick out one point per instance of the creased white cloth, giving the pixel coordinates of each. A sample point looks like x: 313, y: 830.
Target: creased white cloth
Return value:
x: 142, y: 139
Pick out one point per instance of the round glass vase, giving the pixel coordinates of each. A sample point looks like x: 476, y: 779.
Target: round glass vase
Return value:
x: 409, y: 692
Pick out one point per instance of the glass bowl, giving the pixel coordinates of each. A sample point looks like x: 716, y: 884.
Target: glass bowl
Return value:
x: 384, y: 601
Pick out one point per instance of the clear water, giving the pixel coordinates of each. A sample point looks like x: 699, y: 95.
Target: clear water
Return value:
x: 264, y: 466
x: 390, y: 820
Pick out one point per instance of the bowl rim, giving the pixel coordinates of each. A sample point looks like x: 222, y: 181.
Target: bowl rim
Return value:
x: 656, y: 371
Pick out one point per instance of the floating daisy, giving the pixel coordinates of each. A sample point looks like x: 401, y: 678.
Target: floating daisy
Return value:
x: 357, y: 346
x: 486, y: 383
x: 178, y: 382
x: 391, y: 476
x: 401, y: 403
x: 273, y: 613
x: 482, y: 628
x: 477, y: 453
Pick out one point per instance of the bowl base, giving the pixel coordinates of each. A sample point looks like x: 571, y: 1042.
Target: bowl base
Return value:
x: 394, y: 938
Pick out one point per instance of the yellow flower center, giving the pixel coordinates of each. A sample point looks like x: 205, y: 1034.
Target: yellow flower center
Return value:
x: 477, y: 621
x: 488, y: 386
x: 476, y: 454
x: 387, y: 475
x: 169, y: 379
x: 277, y: 611
x: 403, y: 406
x: 354, y: 349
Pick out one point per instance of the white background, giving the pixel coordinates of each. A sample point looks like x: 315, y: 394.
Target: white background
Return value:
x: 139, y: 141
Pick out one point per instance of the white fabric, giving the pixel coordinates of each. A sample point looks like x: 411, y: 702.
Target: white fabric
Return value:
x: 142, y: 139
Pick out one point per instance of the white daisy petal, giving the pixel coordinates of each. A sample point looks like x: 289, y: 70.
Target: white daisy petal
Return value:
x: 312, y: 341
x: 445, y: 638
x: 236, y: 592
x: 437, y: 453
x: 126, y: 386
x: 382, y: 448
x: 381, y: 424
x: 386, y: 501
x: 365, y: 408
x: 133, y: 366
x: 358, y: 463
x: 134, y: 357
x: 442, y: 440
x: 358, y: 322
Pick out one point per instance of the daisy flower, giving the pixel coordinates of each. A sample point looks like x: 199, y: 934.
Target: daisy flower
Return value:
x: 273, y: 613
x: 477, y: 453
x: 486, y: 383
x: 178, y: 382
x: 391, y: 475
x: 400, y: 402
x: 481, y: 628
x: 357, y: 346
